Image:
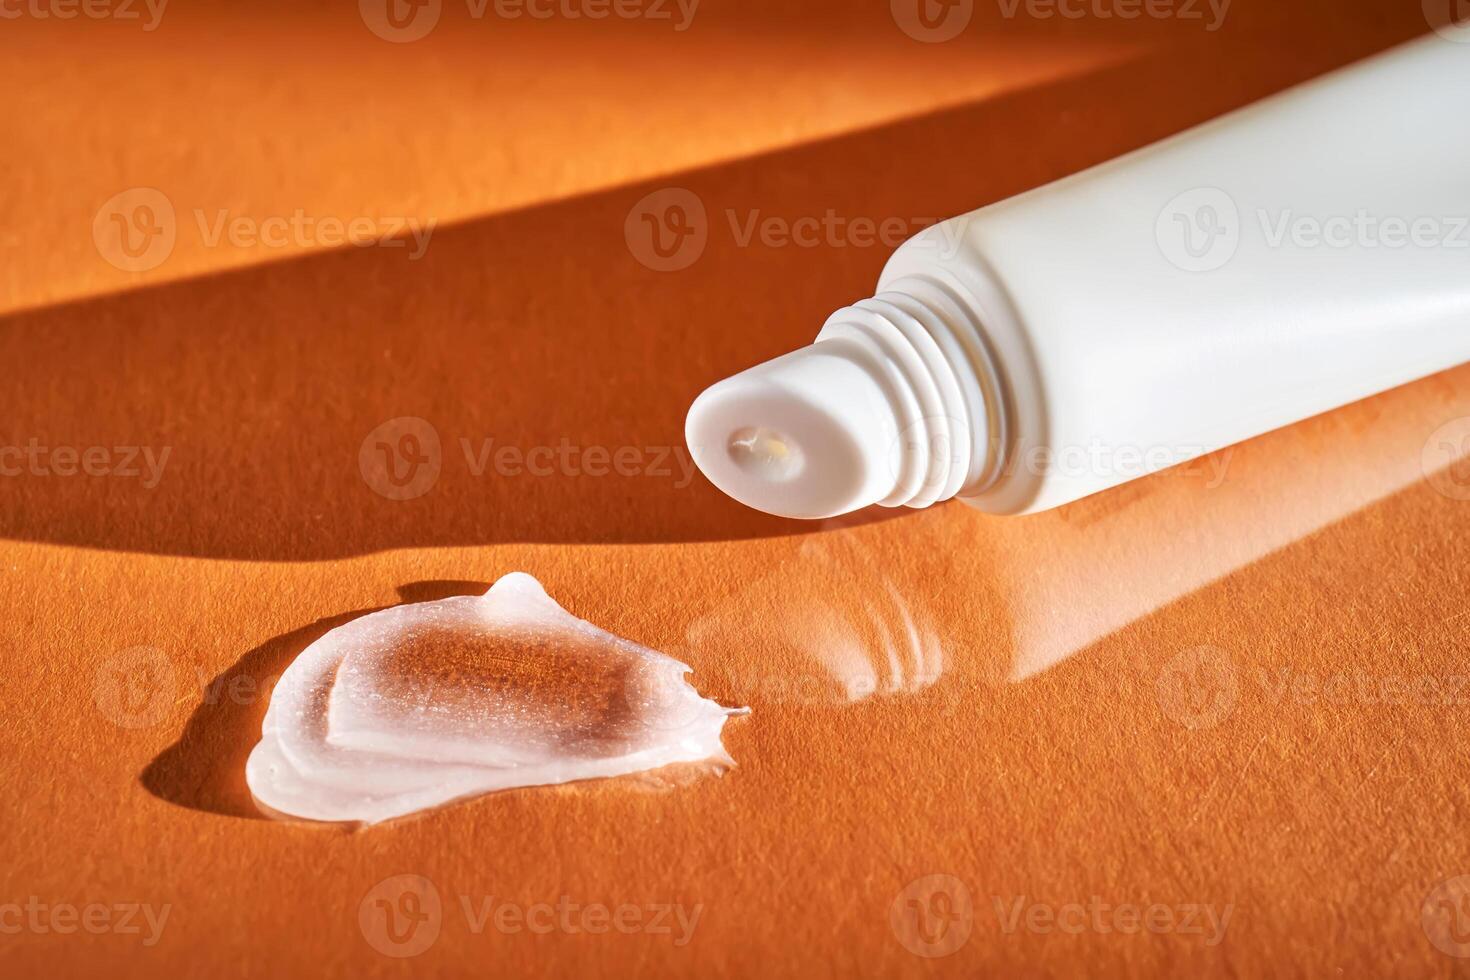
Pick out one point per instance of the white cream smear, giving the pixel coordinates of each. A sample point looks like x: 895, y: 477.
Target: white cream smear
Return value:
x: 418, y: 705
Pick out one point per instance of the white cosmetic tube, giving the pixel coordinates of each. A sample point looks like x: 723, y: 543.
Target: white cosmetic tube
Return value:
x: 1294, y: 256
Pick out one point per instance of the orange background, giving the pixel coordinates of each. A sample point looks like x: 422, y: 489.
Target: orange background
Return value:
x: 1119, y: 702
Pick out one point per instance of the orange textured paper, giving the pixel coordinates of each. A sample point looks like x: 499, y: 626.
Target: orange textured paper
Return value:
x: 1205, y: 723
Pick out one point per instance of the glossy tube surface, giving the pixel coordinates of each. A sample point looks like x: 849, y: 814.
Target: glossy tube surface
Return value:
x: 1294, y: 256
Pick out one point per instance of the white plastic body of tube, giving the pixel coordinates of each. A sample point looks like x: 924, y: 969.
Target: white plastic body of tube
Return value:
x: 1291, y: 257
